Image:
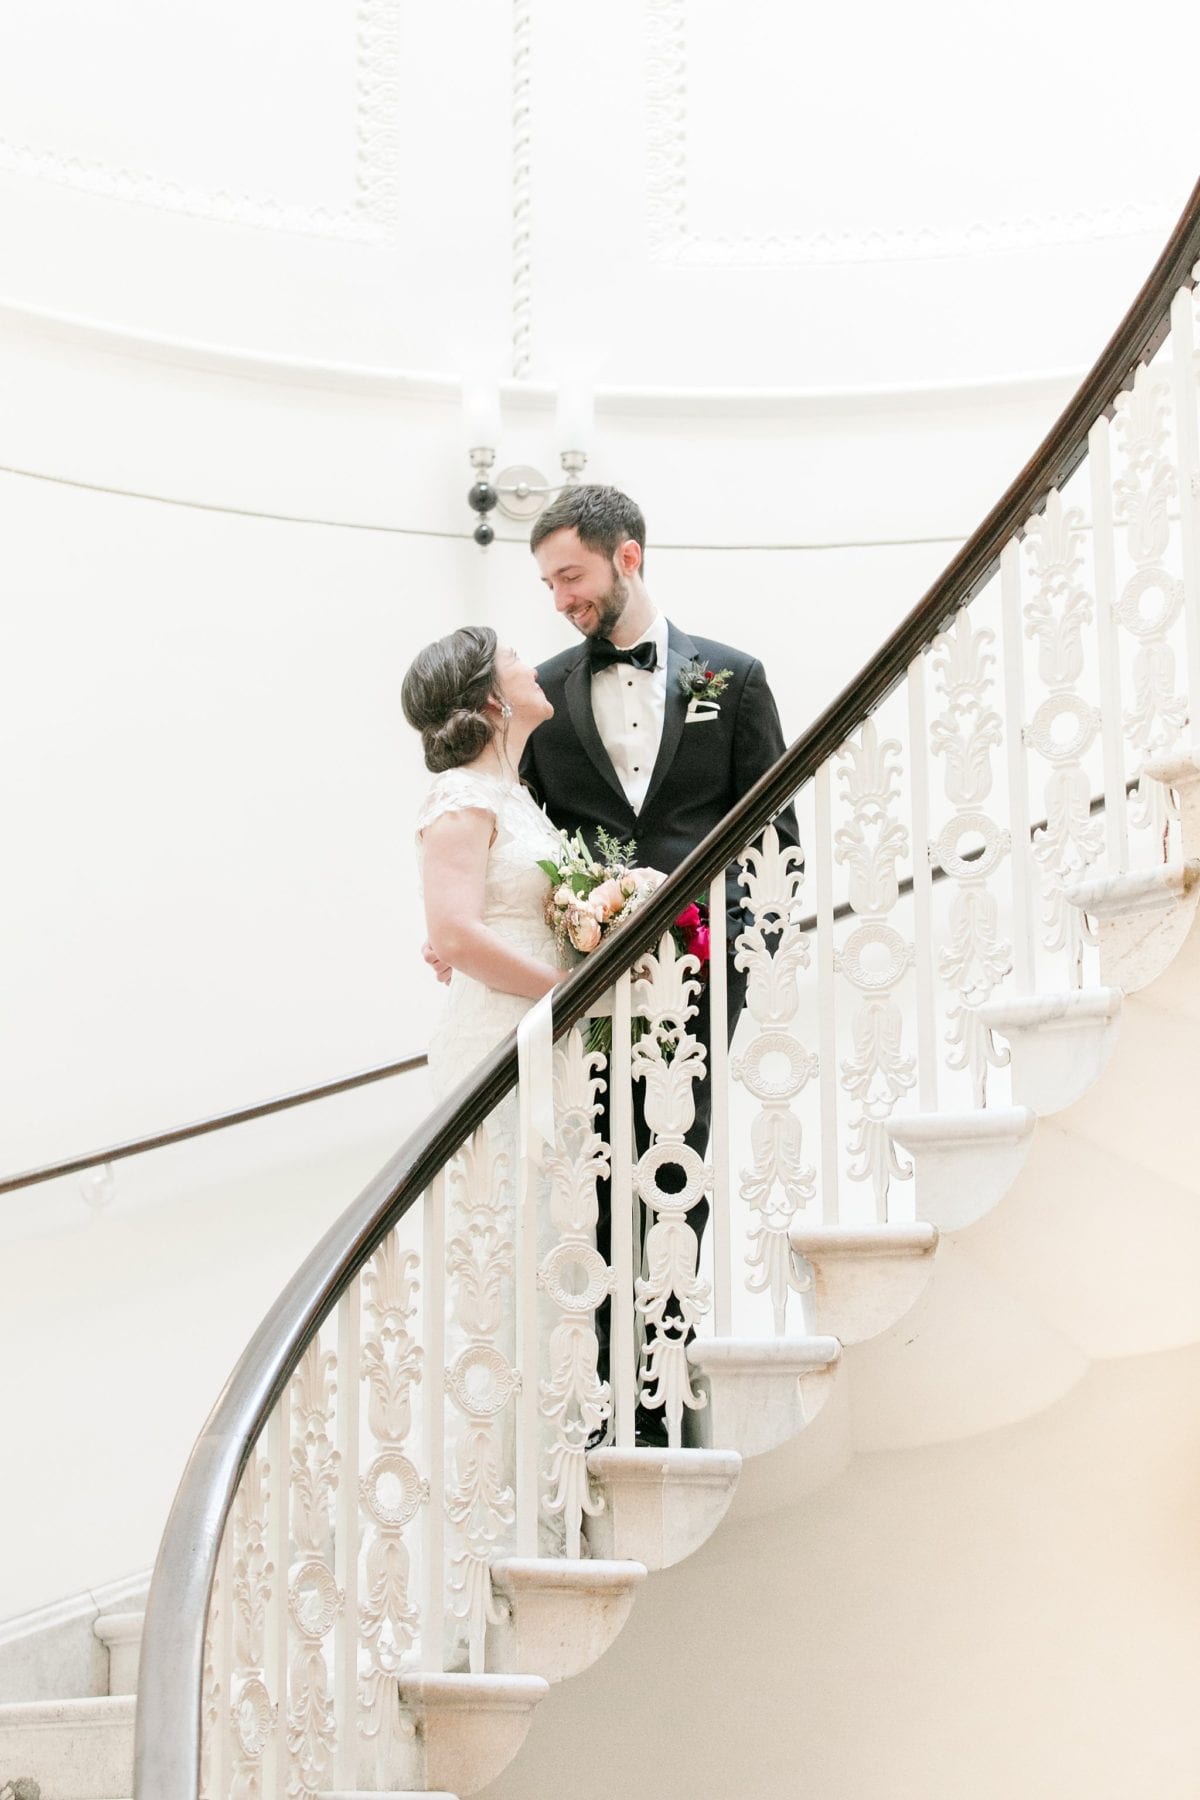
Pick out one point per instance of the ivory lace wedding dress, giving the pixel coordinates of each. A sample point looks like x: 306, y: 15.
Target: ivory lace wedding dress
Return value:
x: 481, y: 1377
x: 515, y: 890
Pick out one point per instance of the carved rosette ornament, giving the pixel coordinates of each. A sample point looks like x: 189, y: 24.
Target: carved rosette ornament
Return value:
x: 670, y: 1296
x: 573, y: 1275
x: 480, y: 1380
x: 975, y: 958
x: 314, y: 1598
x: 874, y: 959
x: 390, y: 1492
x: 1064, y: 727
x: 775, y: 1068
x: 1151, y: 601
x: 252, y: 1713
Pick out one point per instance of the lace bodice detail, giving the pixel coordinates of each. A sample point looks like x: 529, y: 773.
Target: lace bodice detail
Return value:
x: 514, y: 898
x: 515, y: 888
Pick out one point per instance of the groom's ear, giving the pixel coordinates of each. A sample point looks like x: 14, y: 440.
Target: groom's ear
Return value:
x: 629, y: 556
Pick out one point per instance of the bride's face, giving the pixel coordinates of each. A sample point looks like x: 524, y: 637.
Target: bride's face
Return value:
x: 517, y: 682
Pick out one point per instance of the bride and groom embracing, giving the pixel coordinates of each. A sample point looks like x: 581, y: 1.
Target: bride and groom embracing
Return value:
x: 639, y: 732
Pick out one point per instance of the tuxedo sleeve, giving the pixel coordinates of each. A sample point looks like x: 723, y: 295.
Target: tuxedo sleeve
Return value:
x: 758, y: 744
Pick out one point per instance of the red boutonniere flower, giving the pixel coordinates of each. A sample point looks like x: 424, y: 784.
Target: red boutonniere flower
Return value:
x: 699, y: 682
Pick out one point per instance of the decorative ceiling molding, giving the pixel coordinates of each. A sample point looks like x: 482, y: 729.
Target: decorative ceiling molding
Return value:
x: 522, y: 199
x: 673, y: 241
x: 370, y: 218
x: 523, y: 396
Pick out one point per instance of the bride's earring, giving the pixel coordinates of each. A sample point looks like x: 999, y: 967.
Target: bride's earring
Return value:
x: 505, y: 710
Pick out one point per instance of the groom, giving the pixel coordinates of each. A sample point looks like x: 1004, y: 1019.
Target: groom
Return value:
x: 644, y: 741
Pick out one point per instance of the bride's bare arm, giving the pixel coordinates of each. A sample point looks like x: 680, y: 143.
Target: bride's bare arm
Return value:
x: 456, y: 853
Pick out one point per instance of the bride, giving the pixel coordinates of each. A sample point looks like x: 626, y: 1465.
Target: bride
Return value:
x: 480, y: 835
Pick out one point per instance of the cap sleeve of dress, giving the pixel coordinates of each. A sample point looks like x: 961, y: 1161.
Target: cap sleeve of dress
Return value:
x: 458, y: 790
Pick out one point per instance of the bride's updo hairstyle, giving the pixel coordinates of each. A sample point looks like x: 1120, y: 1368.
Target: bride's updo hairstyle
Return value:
x: 444, y: 695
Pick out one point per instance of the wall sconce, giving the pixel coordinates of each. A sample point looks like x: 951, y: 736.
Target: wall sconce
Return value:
x: 521, y: 492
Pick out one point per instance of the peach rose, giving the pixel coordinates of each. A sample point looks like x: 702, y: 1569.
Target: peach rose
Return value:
x: 583, y: 929
x: 607, y: 899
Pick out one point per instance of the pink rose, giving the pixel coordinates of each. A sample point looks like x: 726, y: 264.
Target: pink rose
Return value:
x: 607, y: 899
x: 689, y: 919
x: 697, y: 944
x: 583, y: 929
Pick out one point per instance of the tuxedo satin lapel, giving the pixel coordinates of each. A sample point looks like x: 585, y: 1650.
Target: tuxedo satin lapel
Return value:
x: 680, y: 650
x: 578, y: 690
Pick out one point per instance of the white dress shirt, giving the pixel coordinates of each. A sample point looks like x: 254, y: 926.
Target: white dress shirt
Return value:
x: 629, y: 705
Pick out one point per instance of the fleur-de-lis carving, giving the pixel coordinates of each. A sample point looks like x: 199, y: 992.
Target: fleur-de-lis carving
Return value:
x: 572, y: 1400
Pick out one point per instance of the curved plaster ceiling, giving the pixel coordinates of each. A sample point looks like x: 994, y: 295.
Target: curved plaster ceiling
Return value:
x: 663, y: 189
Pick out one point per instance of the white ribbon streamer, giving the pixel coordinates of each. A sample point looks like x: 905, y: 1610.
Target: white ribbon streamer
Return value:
x: 535, y: 1072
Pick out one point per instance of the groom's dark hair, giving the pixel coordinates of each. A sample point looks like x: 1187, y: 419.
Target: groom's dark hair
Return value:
x: 603, y: 516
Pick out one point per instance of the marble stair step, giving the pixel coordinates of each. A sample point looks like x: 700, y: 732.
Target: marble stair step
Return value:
x: 73, y: 1749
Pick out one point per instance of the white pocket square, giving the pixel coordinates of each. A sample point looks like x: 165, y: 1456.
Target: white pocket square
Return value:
x: 700, y: 712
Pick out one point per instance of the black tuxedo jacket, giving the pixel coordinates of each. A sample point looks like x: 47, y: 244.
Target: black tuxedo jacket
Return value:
x: 701, y: 771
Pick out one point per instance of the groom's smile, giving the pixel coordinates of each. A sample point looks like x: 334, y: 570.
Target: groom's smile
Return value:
x: 588, y: 587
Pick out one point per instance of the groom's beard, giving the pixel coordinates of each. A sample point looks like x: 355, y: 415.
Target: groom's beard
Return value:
x: 610, y: 608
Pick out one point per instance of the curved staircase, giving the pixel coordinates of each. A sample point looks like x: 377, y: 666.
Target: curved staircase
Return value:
x: 959, y: 1117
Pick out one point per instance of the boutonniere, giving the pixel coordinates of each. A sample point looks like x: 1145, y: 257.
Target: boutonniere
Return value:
x: 699, y: 682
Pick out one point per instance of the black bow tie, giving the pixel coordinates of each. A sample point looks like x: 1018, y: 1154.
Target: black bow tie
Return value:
x: 602, y: 654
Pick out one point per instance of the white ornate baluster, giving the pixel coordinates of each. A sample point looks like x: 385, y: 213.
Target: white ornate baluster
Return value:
x: 391, y: 1491
x: 874, y: 958
x: 719, y: 1077
x: 1185, y: 371
x: 1104, y: 575
x: 314, y: 1598
x: 480, y: 1502
x: 253, y: 1712
x: 827, y: 1007
x: 975, y: 959
x: 223, y: 1733
x: 772, y: 951
x: 347, y: 1532
x: 210, y: 1712
x: 622, y: 1352
x: 1143, y: 492
x: 576, y: 1279
x: 671, y: 1296
x: 1070, y: 841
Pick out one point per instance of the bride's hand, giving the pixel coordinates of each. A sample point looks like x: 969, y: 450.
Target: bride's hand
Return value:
x: 441, y: 969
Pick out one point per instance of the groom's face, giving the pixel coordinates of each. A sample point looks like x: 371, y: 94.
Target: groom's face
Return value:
x: 588, y: 587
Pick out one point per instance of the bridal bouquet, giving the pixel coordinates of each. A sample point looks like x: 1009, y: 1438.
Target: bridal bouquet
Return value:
x: 589, y: 897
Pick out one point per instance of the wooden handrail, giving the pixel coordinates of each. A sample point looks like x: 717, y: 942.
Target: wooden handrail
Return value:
x: 96, y: 1159
x: 170, y: 1698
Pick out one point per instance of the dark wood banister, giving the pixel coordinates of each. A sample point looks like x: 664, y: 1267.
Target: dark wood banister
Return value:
x: 179, y: 1134
x: 169, y: 1704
